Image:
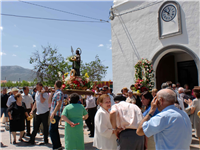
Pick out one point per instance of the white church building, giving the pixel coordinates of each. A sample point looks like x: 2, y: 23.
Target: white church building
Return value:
x: 165, y: 32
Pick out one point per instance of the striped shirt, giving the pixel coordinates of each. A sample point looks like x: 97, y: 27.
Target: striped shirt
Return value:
x: 58, y: 96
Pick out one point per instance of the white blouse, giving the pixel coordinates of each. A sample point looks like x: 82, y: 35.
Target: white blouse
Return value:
x: 104, y: 138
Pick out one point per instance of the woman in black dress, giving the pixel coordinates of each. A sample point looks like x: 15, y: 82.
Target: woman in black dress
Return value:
x: 17, y: 113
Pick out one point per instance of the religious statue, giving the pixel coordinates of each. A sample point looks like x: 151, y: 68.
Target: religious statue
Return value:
x: 76, y: 61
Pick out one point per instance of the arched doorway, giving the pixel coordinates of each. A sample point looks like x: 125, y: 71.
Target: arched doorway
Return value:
x: 177, y: 65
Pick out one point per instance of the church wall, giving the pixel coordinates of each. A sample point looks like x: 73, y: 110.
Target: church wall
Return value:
x: 142, y: 26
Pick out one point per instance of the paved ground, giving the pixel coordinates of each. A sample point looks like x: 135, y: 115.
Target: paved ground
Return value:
x: 5, y: 139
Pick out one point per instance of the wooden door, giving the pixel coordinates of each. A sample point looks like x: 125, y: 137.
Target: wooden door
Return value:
x: 165, y: 70
x: 187, y: 73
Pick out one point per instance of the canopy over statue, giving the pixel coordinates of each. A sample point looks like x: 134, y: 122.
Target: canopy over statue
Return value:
x: 76, y: 61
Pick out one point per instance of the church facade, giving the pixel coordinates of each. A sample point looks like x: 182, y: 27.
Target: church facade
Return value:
x: 165, y: 32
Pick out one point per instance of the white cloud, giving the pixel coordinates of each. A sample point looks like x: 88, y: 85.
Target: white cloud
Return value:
x: 110, y: 40
x: 2, y: 53
x: 1, y: 27
x: 110, y: 48
x: 14, y: 55
x: 34, y: 45
x: 100, y: 45
x: 16, y: 46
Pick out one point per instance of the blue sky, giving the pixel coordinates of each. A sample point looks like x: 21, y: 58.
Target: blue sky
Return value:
x: 20, y: 37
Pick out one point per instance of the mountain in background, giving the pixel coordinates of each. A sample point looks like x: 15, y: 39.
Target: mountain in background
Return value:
x: 13, y: 73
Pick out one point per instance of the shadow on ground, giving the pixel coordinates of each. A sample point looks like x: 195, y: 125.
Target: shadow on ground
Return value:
x: 88, y: 146
x: 1, y: 145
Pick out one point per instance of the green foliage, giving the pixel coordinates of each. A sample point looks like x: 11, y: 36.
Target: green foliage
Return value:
x: 48, y: 64
x: 9, y: 84
x: 25, y: 83
x: 95, y: 69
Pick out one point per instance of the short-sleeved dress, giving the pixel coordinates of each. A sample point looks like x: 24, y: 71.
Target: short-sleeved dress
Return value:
x: 74, y: 139
x: 18, y: 117
x: 196, y: 121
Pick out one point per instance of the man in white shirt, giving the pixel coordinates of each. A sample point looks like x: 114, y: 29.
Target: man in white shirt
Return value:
x: 42, y: 113
x: 127, y: 116
x: 11, y: 99
x: 92, y: 109
x: 28, y: 100
x: 180, y: 97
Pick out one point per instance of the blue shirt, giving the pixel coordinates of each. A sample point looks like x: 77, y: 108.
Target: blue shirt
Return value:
x: 171, y: 128
x: 147, y: 111
x: 57, y: 96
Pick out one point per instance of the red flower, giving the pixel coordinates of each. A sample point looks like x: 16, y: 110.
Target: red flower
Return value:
x: 144, y: 89
x: 63, y: 86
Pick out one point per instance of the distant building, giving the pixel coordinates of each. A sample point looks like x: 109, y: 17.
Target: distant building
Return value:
x: 3, y: 81
x: 165, y: 32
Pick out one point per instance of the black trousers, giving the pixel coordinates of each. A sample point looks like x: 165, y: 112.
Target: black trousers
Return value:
x: 90, y: 120
x: 42, y: 118
x: 129, y: 140
x: 28, y: 122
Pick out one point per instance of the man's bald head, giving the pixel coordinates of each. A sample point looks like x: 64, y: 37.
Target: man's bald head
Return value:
x: 180, y: 90
x: 168, y: 95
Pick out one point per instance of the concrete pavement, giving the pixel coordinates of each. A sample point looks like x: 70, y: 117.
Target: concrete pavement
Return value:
x: 5, y: 139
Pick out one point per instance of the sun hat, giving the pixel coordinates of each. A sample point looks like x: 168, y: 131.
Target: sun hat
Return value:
x: 9, y: 90
x: 15, y: 89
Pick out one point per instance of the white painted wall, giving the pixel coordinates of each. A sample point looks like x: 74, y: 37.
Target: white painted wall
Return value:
x: 142, y: 26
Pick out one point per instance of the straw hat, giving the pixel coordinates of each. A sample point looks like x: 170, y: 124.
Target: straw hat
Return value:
x: 14, y: 89
x: 9, y: 90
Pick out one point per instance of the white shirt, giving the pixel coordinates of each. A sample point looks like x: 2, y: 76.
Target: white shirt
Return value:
x: 90, y: 102
x: 41, y: 107
x: 10, y: 100
x: 181, y: 103
x: 103, y: 136
x: 28, y: 100
x: 128, y: 115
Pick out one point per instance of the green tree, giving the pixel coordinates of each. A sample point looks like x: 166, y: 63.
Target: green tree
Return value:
x: 95, y: 69
x: 48, y: 64
x: 18, y: 84
x: 25, y: 83
x: 9, y: 84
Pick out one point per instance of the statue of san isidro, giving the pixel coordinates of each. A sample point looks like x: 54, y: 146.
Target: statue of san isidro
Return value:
x: 76, y: 61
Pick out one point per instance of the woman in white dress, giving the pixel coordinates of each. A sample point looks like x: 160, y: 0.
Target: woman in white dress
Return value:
x: 104, y: 137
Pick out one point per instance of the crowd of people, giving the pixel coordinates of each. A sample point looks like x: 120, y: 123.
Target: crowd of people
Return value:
x: 125, y: 120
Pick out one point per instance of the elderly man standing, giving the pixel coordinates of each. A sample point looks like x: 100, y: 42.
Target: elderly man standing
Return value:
x: 131, y: 98
x: 171, y: 127
x: 28, y: 100
x: 180, y: 97
x: 127, y: 116
x: 11, y: 98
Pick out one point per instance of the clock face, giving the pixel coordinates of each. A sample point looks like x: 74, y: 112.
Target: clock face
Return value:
x: 168, y: 13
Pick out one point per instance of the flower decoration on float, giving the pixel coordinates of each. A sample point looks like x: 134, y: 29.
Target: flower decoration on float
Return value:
x: 76, y: 82
x: 144, y: 76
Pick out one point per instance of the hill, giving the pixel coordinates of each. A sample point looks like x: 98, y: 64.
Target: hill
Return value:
x: 13, y: 73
